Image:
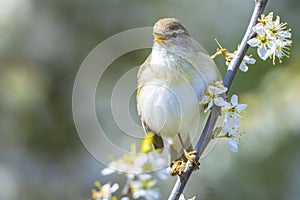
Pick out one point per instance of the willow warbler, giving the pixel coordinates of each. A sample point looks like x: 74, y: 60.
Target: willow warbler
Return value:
x: 171, y: 83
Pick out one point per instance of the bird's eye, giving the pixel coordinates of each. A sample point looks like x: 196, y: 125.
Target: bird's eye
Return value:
x: 174, y: 35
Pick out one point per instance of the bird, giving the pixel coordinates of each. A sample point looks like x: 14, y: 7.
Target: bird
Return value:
x: 170, y: 85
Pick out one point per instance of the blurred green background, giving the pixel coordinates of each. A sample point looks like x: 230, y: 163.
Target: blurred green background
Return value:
x: 42, y: 44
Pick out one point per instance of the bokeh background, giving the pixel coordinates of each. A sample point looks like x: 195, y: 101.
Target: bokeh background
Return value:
x: 42, y: 44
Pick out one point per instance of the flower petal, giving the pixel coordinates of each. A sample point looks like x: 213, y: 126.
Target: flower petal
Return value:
x: 259, y: 29
x: 107, y: 171
x: 181, y: 197
x: 235, y: 121
x: 233, y: 145
x: 241, y: 107
x: 243, y: 67
x: 234, y: 100
x: 210, y: 104
x: 219, y: 101
x: 249, y: 60
x: 254, y: 42
x: 262, y: 52
x: 114, y: 187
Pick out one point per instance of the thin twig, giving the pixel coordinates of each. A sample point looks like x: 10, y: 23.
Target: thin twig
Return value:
x: 207, y: 133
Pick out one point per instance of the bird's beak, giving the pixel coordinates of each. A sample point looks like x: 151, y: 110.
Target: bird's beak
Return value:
x: 159, y: 38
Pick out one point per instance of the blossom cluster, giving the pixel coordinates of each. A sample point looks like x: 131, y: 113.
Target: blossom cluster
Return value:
x: 272, y: 39
x: 140, y: 184
x: 213, y: 94
x: 232, y: 111
x: 105, y: 192
x: 231, y: 127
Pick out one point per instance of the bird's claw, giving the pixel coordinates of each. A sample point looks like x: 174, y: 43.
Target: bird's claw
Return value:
x: 189, y: 156
x: 177, y: 167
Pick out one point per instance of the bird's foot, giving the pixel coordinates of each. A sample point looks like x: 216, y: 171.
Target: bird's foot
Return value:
x: 189, y: 156
x: 177, y: 167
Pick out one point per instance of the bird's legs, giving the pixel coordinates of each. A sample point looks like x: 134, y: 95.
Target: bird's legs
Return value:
x: 189, y: 155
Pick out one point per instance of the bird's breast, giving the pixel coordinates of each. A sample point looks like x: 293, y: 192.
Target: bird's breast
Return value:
x: 168, y: 109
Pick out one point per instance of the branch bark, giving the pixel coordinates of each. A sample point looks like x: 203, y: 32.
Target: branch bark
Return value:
x: 207, y: 133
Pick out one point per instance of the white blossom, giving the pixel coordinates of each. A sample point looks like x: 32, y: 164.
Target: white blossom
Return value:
x: 143, y: 187
x: 273, y: 39
x: 233, y: 134
x: 213, y: 95
x: 231, y: 129
x: 233, y: 110
x: 105, y: 192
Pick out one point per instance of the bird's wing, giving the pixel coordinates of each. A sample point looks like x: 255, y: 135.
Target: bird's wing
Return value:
x: 139, y: 81
x: 154, y: 138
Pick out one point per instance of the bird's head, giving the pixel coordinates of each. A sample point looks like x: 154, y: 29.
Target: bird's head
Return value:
x: 168, y: 29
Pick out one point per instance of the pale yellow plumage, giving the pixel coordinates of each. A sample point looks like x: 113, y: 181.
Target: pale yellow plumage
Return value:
x: 171, y: 82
